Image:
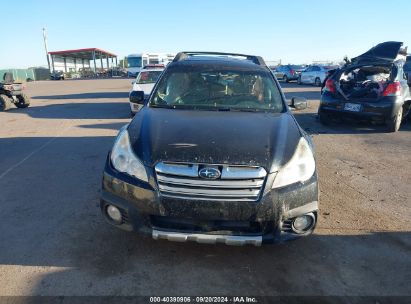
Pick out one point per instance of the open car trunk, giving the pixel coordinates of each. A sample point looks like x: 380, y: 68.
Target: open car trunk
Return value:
x: 367, y: 76
x: 364, y: 82
x: 385, y: 52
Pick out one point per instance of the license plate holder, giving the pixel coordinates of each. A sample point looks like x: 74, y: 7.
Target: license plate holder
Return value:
x: 352, y: 107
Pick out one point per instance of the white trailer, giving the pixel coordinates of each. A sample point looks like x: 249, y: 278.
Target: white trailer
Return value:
x: 135, y: 62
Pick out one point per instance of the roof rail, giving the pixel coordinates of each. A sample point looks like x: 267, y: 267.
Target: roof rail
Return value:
x: 256, y: 59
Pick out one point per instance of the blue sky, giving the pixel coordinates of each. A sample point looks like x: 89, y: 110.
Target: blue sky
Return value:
x: 295, y: 31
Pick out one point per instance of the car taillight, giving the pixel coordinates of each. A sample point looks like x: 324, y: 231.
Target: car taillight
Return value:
x: 292, y: 72
x: 330, y: 86
x: 393, y: 89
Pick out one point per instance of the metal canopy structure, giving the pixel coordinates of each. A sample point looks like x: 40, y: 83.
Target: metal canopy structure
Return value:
x: 82, y: 58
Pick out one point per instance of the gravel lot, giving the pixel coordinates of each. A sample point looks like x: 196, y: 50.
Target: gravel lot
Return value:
x: 53, y: 240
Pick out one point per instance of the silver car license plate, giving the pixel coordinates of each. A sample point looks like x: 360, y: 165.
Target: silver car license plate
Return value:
x: 353, y: 107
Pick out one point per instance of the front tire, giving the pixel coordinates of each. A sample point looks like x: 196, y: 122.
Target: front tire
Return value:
x: 24, y: 101
x: 5, y: 102
x: 317, y: 82
x: 285, y: 79
x: 394, y: 123
x: 299, y: 80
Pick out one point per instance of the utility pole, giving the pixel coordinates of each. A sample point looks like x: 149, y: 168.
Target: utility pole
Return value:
x: 45, y: 47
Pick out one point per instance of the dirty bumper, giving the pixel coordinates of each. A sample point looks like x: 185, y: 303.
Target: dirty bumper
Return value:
x: 367, y: 109
x: 267, y: 220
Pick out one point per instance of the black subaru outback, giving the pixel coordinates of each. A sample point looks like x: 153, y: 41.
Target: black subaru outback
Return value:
x: 213, y: 156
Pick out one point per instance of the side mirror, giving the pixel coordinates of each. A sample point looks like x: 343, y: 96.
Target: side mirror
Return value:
x: 137, y: 97
x: 133, y: 82
x: 299, y: 103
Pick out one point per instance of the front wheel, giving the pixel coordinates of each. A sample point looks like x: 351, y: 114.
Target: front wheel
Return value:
x: 285, y: 79
x: 317, y: 82
x: 393, y: 124
x: 299, y: 80
x: 23, y: 101
x: 5, y: 102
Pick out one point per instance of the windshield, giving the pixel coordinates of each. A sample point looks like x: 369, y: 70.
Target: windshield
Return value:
x: 148, y: 77
x: 134, y: 62
x: 219, y: 90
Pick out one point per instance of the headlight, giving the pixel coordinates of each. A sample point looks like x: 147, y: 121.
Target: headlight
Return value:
x: 123, y: 158
x: 300, y: 167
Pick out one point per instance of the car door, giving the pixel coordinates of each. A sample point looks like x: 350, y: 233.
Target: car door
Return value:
x: 305, y: 75
x: 403, y: 79
x: 407, y: 69
x: 316, y: 71
x: 324, y: 73
x: 279, y: 72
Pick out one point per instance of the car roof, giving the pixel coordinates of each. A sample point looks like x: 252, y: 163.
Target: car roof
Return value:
x: 218, y: 62
x: 152, y: 69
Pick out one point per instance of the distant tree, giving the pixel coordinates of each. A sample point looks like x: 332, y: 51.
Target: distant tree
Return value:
x: 123, y: 63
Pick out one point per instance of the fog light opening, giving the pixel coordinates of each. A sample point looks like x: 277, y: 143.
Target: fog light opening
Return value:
x: 114, y: 214
x: 303, y: 223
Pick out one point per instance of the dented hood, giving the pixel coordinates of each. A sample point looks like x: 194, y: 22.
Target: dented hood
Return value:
x: 238, y: 138
x: 385, y: 52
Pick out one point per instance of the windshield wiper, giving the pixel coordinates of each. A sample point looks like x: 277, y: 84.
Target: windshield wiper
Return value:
x: 252, y: 110
x: 247, y: 110
x: 166, y: 106
x: 207, y: 108
x: 181, y: 106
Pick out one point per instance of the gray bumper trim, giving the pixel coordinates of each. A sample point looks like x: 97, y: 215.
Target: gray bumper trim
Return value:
x: 207, y: 238
x: 310, y: 207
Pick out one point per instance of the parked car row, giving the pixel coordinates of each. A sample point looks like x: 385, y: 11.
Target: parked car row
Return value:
x: 202, y: 161
x: 313, y: 74
x: 88, y: 72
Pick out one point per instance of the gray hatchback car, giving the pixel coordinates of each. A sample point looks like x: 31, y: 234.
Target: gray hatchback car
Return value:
x: 288, y: 72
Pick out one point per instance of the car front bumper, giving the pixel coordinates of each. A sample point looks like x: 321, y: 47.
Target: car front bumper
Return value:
x: 294, y: 77
x: 144, y: 209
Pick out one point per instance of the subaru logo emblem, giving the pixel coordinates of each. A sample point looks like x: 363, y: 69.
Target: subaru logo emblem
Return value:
x: 209, y: 173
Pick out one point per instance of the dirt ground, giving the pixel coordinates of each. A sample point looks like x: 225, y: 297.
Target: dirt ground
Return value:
x: 54, y: 241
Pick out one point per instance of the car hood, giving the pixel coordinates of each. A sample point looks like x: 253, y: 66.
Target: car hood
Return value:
x: 385, y: 52
x: 237, y: 138
x: 146, y: 87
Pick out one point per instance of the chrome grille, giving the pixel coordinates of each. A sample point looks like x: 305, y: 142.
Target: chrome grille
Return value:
x: 237, y: 183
